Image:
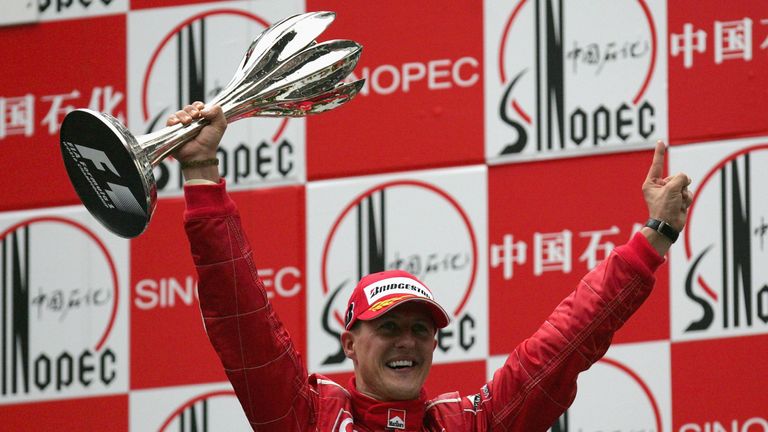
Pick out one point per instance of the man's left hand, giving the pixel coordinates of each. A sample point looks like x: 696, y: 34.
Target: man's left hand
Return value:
x: 667, y: 198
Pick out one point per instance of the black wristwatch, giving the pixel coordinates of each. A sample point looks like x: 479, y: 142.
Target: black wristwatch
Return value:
x: 663, y: 228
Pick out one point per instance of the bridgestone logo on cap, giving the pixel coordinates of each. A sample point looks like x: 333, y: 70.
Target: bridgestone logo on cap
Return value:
x: 396, y: 285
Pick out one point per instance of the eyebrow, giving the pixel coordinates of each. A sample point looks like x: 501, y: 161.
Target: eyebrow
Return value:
x: 394, y: 315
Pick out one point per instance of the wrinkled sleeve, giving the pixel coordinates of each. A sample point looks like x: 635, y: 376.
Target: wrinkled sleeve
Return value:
x: 538, y: 380
x: 254, y: 348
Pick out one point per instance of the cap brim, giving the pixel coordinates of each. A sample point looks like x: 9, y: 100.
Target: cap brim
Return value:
x: 439, y: 316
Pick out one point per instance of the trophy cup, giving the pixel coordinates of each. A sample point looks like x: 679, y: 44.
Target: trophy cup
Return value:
x: 284, y: 72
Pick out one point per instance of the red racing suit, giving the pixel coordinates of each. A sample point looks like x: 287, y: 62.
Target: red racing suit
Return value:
x: 533, y: 388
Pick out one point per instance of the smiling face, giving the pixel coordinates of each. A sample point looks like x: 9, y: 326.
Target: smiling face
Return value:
x: 392, y: 354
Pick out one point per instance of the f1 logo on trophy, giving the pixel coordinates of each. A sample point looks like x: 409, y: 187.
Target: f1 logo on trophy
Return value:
x: 284, y: 72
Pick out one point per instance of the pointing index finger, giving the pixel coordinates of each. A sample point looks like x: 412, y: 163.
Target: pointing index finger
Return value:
x: 657, y: 165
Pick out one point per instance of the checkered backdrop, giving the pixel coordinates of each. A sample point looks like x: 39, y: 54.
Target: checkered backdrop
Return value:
x: 510, y: 139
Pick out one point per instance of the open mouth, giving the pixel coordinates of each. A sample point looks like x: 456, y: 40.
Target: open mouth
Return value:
x: 400, y: 364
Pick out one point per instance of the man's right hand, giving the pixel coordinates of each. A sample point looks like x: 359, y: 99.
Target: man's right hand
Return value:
x: 204, y: 145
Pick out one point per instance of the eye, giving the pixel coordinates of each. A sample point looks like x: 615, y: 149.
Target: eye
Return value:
x: 422, y: 329
x: 388, y: 326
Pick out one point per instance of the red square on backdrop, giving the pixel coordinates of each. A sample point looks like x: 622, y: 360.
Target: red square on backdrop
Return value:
x: 51, y: 73
x: 147, y: 4
x: 578, y: 209
x: 422, y: 105
x: 717, y: 61
x: 168, y: 343
x: 107, y: 413
x: 464, y: 377
x: 719, y: 384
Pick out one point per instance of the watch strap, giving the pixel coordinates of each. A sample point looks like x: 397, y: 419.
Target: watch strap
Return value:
x: 663, y: 228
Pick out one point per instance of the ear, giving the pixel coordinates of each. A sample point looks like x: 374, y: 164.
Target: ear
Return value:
x: 434, y: 345
x: 348, y: 344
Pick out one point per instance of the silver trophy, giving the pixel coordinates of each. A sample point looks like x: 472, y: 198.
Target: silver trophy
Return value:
x: 285, y: 72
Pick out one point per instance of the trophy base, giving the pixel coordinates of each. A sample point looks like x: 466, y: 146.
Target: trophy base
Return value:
x: 109, y: 172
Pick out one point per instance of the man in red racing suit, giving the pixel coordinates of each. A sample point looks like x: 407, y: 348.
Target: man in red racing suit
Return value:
x: 534, y: 387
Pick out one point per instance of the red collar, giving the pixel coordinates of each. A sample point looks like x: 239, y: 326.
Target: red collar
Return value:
x: 387, y: 416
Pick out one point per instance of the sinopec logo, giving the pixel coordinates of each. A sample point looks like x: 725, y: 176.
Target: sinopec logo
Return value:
x: 612, y: 397
x: 214, y: 411
x: 59, y: 9
x: 573, y: 76
x: 434, y: 75
x: 724, y: 279
x: 59, y: 303
x: 752, y: 424
x: 411, y: 225
x: 192, y: 59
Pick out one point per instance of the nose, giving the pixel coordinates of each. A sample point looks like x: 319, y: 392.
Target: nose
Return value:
x: 406, y: 340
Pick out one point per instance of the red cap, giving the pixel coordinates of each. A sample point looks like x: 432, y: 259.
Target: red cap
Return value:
x: 378, y: 293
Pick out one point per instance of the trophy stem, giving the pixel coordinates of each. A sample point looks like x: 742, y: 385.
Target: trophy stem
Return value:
x: 158, y: 145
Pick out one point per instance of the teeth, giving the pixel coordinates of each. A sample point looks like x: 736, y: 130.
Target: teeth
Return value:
x: 400, y: 363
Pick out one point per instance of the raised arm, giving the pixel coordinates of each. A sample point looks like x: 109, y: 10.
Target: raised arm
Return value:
x: 538, y: 381
x: 258, y: 356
